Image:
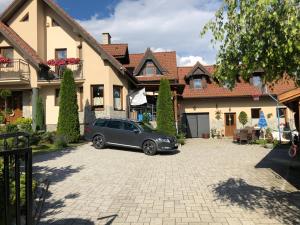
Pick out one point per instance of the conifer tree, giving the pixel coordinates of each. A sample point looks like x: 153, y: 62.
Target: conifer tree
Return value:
x: 165, y: 112
x: 68, y: 120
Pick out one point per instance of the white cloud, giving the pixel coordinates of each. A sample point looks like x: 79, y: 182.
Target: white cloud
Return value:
x: 162, y: 25
x: 165, y: 24
x: 190, y: 60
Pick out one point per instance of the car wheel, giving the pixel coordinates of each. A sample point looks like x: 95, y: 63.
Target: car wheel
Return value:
x: 149, y: 147
x: 99, y: 141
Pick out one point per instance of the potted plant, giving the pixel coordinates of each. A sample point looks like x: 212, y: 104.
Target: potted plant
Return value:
x: 243, y: 118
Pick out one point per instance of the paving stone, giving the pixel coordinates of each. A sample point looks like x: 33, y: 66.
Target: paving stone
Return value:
x: 207, y: 182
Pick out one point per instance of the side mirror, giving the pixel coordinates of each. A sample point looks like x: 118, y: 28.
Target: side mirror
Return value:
x: 136, y: 131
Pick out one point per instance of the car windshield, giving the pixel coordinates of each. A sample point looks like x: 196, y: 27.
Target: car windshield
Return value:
x: 145, y: 127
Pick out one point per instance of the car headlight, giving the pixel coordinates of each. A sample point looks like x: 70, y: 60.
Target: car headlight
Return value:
x: 163, y: 140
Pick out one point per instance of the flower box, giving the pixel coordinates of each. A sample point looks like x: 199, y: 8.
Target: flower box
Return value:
x: 63, y: 62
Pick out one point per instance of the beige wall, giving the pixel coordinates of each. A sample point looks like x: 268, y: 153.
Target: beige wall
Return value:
x: 235, y: 105
x: 59, y: 37
x: 26, y: 30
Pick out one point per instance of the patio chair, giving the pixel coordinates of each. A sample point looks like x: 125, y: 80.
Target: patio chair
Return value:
x: 244, y: 136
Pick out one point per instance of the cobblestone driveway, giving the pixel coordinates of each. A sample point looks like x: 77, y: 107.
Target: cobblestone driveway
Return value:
x: 207, y: 182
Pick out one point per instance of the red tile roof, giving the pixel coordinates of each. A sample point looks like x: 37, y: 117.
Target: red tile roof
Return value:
x: 241, y: 89
x: 166, y: 59
x: 14, y: 39
x: 116, y: 50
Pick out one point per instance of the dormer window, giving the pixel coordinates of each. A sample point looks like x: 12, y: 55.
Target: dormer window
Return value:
x: 150, y: 69
x: 197, y: 83
x: 256, y: 80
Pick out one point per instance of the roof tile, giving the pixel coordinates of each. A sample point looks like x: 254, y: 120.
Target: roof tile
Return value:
x: 241, y: 89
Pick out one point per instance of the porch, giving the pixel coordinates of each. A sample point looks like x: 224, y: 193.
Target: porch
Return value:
x: 18, y: 105
x: 17, y: 71
x: 55, y: 74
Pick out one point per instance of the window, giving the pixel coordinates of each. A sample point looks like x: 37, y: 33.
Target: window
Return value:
x: 255, y: 113
x: 129, y: 126
x: 256, y: 80
x: 100, y: 123
x: 282, y: 112
x: 54, y: 23
x: 56, y: 101
x: 97, y: 97
x: 150, y: 69
x: 80, y: 98
x: 229, y: 119
x: 197, y: 83
x: 7, y: 52
x: 25, y: 18
x: 114, y: 124
x: 117, y: 93
x: 61, y: 53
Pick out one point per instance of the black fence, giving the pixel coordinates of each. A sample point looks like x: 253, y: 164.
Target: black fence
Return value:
x: 15, y: 179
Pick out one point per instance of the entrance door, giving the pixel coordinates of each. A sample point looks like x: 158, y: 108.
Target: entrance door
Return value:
x: 230, y: 124
x: 15, y: 104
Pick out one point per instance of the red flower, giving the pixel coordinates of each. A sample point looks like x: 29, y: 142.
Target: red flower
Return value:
x: 51, y: 62
x: 4, y: 60
x: 72, y: 61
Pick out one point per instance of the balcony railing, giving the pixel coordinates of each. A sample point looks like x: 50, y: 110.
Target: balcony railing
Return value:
x: 16, y: 69
x: 56, y: 72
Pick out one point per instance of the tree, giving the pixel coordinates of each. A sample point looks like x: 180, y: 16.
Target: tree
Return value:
x: 4, y: 94
x: 243, y: 118
x: 68, y: 119
x: 256, y: 35
x: 40, y: 114
x: 165, y: 112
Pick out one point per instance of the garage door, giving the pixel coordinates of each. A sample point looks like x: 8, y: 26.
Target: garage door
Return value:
x: 197, y: 124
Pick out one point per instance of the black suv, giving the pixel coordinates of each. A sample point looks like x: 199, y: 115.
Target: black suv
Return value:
x: 126, y: 133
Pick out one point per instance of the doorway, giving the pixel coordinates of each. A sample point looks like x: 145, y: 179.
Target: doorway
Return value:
x: 230, y: 124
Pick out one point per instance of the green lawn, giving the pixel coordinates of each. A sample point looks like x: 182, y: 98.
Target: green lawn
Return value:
x: 48, y: 148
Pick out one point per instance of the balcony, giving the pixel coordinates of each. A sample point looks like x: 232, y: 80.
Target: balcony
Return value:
x: 55, y: 74
x: 17, y: 71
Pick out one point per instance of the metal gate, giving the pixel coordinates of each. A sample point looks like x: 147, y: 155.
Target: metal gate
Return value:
x: 16, y: 156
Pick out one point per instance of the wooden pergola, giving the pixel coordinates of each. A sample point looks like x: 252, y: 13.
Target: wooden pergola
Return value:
x: 292, y: 100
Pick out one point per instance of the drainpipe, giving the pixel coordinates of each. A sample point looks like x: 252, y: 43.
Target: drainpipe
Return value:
x: 35, y: 94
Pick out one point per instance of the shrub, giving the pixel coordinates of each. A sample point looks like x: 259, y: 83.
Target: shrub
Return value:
x: 35, y: 139
x: 11, y: 128
x: 243, y: 118
x: 2, y: 118
x: 24, y: 124
x: 60, y: 142
x: 48, y: 137
x: 2, y: 129
x: 40, y: 115
x: 181, y: 138
x: 165, y: 112
x: 68, y: 120
x: 269, y: 136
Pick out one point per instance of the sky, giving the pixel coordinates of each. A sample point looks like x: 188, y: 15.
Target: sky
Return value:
x: 162, y: 25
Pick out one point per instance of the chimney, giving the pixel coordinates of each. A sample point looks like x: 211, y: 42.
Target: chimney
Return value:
x: 106, y: 39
